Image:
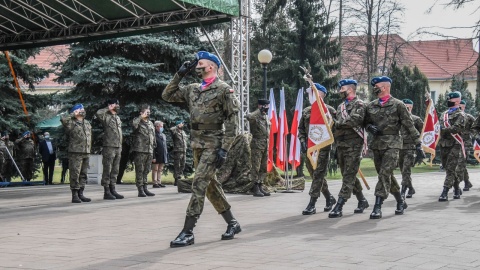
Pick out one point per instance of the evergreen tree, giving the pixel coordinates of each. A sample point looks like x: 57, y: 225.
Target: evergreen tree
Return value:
x: 459, y: 84
x: 441, y: 105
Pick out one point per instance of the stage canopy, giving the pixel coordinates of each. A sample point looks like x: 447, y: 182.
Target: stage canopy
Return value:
x: 39, y: 23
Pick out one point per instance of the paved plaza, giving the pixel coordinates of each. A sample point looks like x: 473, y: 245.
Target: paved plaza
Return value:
x: 41, y: 229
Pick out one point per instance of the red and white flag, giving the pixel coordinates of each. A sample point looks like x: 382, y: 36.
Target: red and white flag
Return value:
x: 282, y: 134
x: 431, y: 130
x: 319, y: 132
x: 294, y: 154
x: 272, y: 117
x: 476, y: 150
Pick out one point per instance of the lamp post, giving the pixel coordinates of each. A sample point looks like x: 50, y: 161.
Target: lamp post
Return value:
x: 264, y: 57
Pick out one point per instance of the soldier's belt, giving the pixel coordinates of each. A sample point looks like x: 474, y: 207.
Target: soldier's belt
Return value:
x: 390, y: 133
x: 207, y: 126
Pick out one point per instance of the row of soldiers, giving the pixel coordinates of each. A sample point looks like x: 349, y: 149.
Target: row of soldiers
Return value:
x: 22, y: 152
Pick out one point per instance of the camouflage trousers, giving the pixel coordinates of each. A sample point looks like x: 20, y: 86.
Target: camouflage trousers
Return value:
x: 319, y: 183
x: 26, y: 167
x: 385, y: 163
x: 461, y: 171
x: 78, y: 166
x: 259, y: 165
x: 178, y: 164
x: 406, y: 162
x: 205, y: 183
x: 349, y: 162
x: 111, y: 164
x: 450, y: 159
x: 143, y: 164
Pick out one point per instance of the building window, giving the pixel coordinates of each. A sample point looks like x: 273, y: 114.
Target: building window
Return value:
x: 433, y: 96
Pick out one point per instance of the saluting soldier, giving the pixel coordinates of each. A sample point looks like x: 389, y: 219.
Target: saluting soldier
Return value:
x: 383, y: 119
x: 260, y: 130
x: 407, y: 154
x: 179, y: 150
x: 214, y: 117
x: 319, y: 183
x: 467, y: 135
x: 25, y: 154
x: 350, y: 138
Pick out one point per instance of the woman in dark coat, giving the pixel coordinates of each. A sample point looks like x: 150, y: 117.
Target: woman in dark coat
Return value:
x: 159, y: 155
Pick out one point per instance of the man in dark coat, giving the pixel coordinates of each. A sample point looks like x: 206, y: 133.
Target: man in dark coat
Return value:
x: 159, y: 155
x: 49, y: 155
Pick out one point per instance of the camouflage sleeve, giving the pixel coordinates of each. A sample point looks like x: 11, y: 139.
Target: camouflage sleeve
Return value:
x: 457, y: 126
x: 354, y: 119
x: 136, y: 123
x: 173, y: 92
x: 302, y: 133
x: 419, y: 124
x: 231, y: 109
x: 102, y: 114
x: 152, y: 130
x: 67, y: 122
x: 476, y: 125
x: 407, y: 122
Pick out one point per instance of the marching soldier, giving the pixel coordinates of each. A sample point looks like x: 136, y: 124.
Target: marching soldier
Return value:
x: 214, y: 121
x: 260, y: 130
x: 467, y: 136
x: 383, y: 119
x: 350, y: 138
x: 112, y: 147
x: 179, y: 150
x: 7, y: 170
x: 319, y: 183
x: 79, y: 133
x: 26, y: 154
x: 407, y: 153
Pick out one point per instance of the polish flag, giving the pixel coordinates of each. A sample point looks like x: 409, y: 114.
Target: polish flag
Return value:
x: 476, y: 150
x: 272, y: 117
x: 282, y: 134
x: 431, y: 130
x: 294, y: 154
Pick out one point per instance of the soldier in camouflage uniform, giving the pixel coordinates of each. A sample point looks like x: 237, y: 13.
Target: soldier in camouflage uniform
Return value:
x: 7, y: 170
x: 452, y: 125
x: 383, y: 119
x: 112, y: 147
x: 407, y: 154
x: 3, y: 155
x: 350, y: 137
x: 260, y: 130
x: 79, y: 133
x: 319, y: 183
x: 143, y: 136
x: 467, y: 135
x: 179, y: 150
x: 25, y: 148
x: 214, y: 122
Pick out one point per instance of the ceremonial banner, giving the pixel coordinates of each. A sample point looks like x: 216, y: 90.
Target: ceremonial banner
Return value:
x: 431, y: 130
x: 272, y: 117
x: 282, y: 134
x: 476, y: 151
x: 294, y: 154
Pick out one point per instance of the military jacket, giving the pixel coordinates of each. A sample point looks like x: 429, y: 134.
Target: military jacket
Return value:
x: 456, y: 119
x: 25, y: 148
x: 409, y: 141
x: 11, y: 147
x: 468, y: 133
x: 112, y: 128
x: 143, y: 136
x: 179, y: 139
x: 304, y: 125
x: 79, y: 134
x: 3, y: 154
x: 213, y: 111
x: 344, y: 131
x: 259, y: 128
x: 389, y: 118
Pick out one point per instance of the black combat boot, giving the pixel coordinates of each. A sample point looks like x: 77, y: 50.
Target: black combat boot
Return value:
x: 260, y: 187
x: 362, y: 203
x: 233, y: 226
x: 175, y: 182
x: 411, y: 191
x: 115, y: 193
x: 467, y: 186
x: 401, y: 203
x: 377, y: 208
x: 256, y: 190
x: 337, y: 210
x: 81, y: 197
x: 107, y: 195
x: 444, y: 196
x: 186, y: 237
x: 403, y: 191
x: 457, y: 191
x: 148, y: 193
x: 75, y: 198
x: 330, y: 201
x: 310, y: 210
x: 141, y: 192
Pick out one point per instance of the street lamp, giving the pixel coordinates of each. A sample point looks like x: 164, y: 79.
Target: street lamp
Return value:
x: 264, y: 57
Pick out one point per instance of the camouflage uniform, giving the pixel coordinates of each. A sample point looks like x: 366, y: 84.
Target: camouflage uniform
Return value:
x: 179, y: 151
x: 467, y: 135
x: 3, y: 154
x: 143, y: 144
x: 260, y: 130
x: 25, y: 155
x: 7, y: 170
x: 112, y: 145
x: 214, y: 123
x: 386, y: 146
x: 79, y: 135
x: 349, y: 145
x: 407, y: 153
x: 451, y: 150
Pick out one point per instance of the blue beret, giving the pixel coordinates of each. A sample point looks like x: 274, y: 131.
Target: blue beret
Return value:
x: 321, y: 88
x: 25, y: 133
x: 76, y: 107
x: 454, y: 94
x: 463, y: 102
x: 346, y: 82
x: 380, y: 79
x: 407, y: 101
x: 208, y: 56
x: 178, y: 122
